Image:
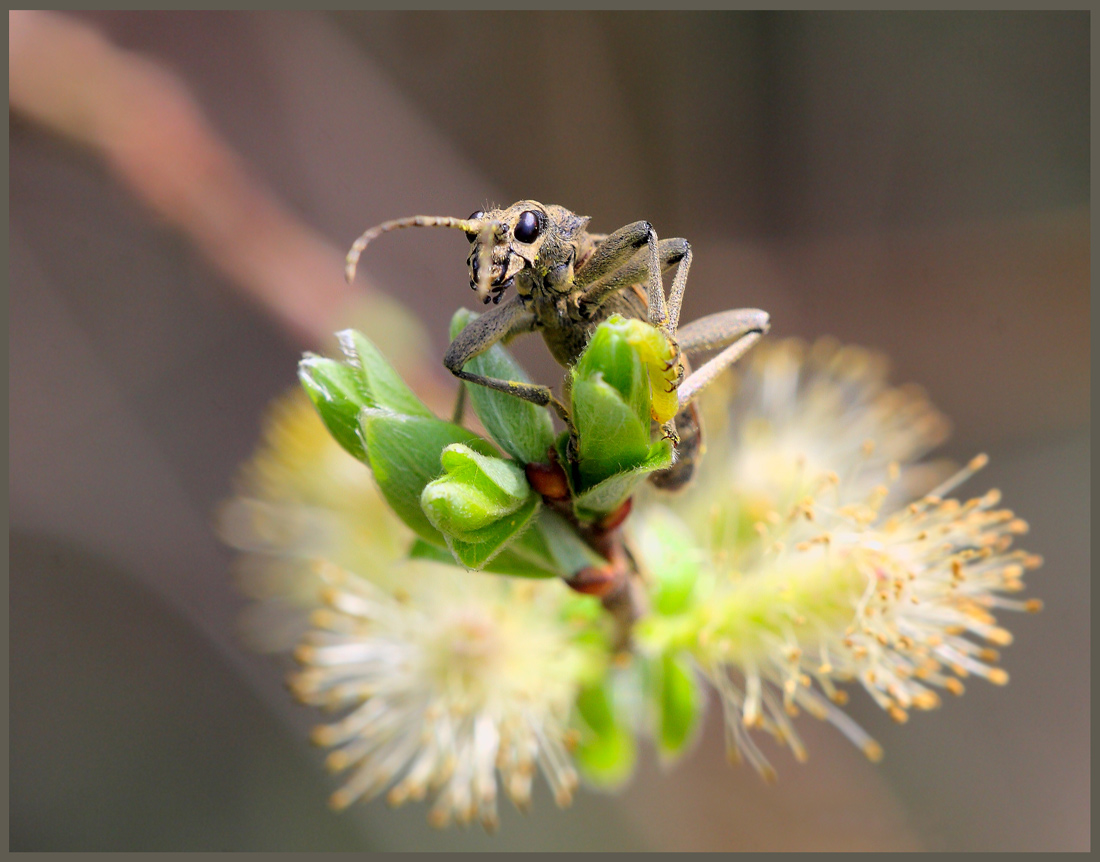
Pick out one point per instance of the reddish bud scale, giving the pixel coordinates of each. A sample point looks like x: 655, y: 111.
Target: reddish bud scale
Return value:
x: 612, y: 520
x: 549, y: 480
x: 596, y: 581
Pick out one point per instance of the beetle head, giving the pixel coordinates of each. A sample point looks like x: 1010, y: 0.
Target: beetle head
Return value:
x: 531, y: 246
x: 528, y: 245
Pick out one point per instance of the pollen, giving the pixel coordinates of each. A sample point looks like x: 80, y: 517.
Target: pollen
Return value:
x: 893, y: 579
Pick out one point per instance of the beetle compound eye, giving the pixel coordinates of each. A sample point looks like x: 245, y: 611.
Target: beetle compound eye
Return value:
x: 476, y: 214
x: 528, y: 226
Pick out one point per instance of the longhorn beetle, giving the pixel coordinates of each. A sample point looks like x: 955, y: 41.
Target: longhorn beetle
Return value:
x: 567, y: 281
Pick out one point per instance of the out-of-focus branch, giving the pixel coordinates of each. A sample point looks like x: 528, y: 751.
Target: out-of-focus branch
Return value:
x: 145, y: 124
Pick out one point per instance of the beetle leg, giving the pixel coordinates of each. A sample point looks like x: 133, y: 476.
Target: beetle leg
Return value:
x: 500, y: 324
x: 676, y: 293
x: 459, y: 412
x: 632, y: 270
x: 617, y: 250
x: 731, y: 332
x: 621, y: 264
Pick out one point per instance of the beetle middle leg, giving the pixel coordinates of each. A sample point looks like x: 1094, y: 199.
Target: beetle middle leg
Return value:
x: 500, y: 324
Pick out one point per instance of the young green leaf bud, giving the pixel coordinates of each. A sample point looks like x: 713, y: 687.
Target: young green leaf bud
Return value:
x: 475, y: 491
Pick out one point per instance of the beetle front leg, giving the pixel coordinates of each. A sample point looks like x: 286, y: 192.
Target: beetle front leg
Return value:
x: 732, y: 332
x: 613, y: 252
x: 536, y: 394
x: 616, y: 251
x: 500, y: 324
x: 631, y: 271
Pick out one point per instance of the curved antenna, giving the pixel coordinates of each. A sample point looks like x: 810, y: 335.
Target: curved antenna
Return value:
x: 485, y: 228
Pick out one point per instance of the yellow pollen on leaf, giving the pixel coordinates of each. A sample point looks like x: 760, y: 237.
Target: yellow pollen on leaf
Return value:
x: 662, y: 361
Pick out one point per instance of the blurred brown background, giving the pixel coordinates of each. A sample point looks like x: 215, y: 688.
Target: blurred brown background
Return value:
x: 913, y: 182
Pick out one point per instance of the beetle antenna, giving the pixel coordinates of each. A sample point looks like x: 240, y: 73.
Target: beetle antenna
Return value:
x: 486, y: 239
x: 482, y: 227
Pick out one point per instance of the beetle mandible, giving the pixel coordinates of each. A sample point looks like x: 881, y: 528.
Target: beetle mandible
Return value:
x: 567, y: 281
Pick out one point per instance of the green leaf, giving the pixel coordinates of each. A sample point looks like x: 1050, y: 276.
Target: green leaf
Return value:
x: 404, y: 454
x: 606, y: 753
x: 380, y: 384
x: 522, y: 558
x: 612, y: 356
x: 609, y: 494
x: 611, y: 438
x: 522, y: 429
x: 338, y: 395
x: 526, y: 556
x: 678, y: 701
x: 611, y: 404
x: 621, y: 343
x: 340, y: 391
x: 568, y: 551
x: 421, y: 550
x: 660, y: 359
